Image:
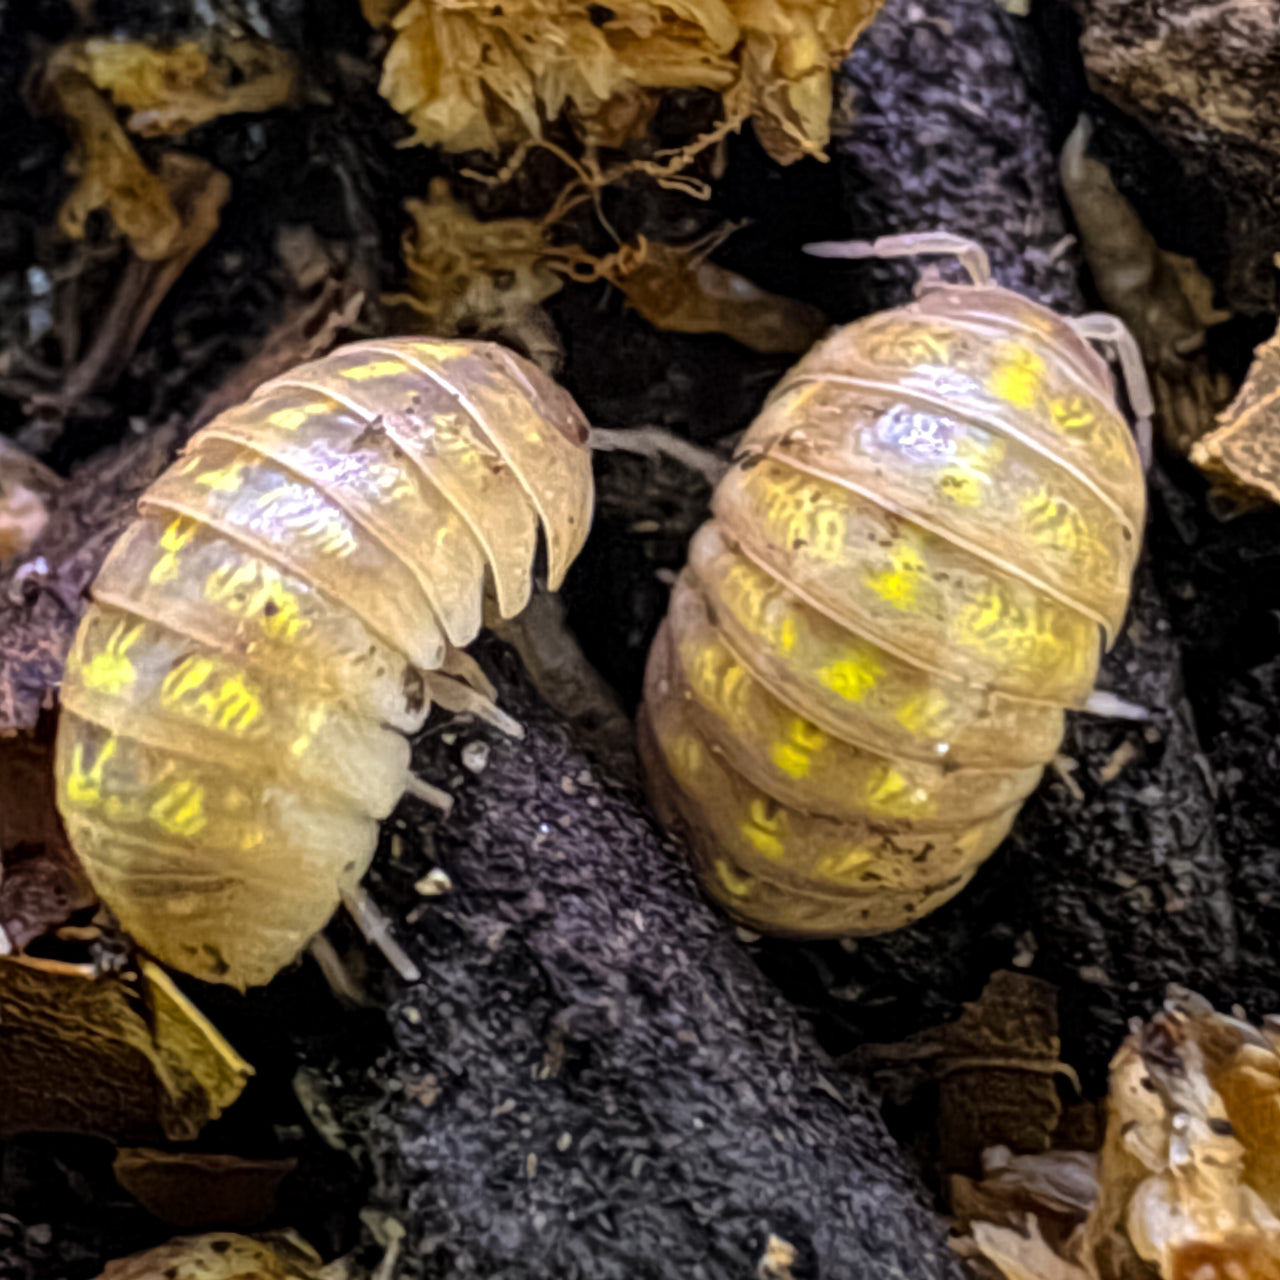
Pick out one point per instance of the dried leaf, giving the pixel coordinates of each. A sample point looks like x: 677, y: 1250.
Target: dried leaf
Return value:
x: 195, y: 1189
x: 27, y: 488
x: 677, y: 288
x: 470, y: 74
x: 1024, y: 1257
x: 170, y: 91
x: 100, y: 1055
x: 221, y: 1255
x: 110, y: 174
x: 1244, y: 451
x: 41, y: 883
x: 480, y: 278
x: 1188, y: 1182
x: 995, y: 1067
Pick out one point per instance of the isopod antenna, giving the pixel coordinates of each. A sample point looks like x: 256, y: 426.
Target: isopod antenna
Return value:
x: 916, y: 244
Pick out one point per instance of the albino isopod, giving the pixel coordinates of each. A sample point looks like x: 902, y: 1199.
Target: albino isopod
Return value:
x: 293, y: 596
x: 866, y: 661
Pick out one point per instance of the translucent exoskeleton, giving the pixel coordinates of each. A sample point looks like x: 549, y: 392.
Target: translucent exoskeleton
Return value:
x: 865, y: 664
x: 292, y: 598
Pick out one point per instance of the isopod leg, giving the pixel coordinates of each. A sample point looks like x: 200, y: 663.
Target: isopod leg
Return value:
x: 971, y: 255
x: 377, y: 932
x: 459, y: 698
x: 654, y: 442
x: 423, y: 790
x: 1101, y: 326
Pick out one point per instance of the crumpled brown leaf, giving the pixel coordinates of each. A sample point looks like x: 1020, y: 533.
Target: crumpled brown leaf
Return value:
x: 1244, y: 450
x: 192, y: 1190
x: 221, y: 1255
x: 471, y: 74
x: 106, y: 1056
x: 678, y: 288
x: 996, y: 1070
x: 172, y: 90
x: 1188, y: 1181
x: 484, y: 278
x: 27, y: 487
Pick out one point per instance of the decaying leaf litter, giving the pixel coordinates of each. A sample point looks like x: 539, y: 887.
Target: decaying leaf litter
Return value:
x: 1109, y: 937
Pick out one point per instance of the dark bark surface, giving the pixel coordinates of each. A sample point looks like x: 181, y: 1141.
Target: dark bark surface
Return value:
x: 593, y: 1079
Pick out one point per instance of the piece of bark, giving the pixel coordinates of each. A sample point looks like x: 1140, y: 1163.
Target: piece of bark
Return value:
x: 937, y: 127
x: 1202, y: 79
x: 592, y: 1079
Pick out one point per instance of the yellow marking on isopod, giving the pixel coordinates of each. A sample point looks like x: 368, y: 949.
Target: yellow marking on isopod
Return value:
x: 185, y: 678
x: 293, y: 416
x: 835, y: 866
x: 764, y: 830
x: 961, y: 486
x: 851, y: 677
x: 178, y: 532
x: 109, y: 670
x: 925, y: 713
x: 374, y: 369
x: 794, y: 753
x: 899, y: 584
x: 1052, y: 521
x: 85, y: 787
x: 685, y: 757
x: 233, y: 708
x: 1017, y: 376
x: 738, y: 885
x: 247, y: 590
x: 180, y: 811
x: 1073, y: 414
x: 226, y: 479
x: 890, y: 793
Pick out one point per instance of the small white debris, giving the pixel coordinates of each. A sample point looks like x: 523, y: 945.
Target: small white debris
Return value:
x: 435, y: 883
x: 475, y: 756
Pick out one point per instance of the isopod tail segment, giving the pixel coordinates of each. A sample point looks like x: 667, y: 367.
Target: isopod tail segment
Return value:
x: 927, y: 537
x: 294, y: 596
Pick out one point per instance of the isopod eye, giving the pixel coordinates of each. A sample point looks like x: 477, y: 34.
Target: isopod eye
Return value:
x: 569, y: 421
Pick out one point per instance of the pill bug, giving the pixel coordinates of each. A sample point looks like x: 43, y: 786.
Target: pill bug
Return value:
x: 293, y: 596
x: 865, y: 663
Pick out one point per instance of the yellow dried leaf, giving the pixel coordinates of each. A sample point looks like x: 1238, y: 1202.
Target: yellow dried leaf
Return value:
x: 471, y: 74
x: 171, y: 90
x: 99, y: 1055
x: 110, y: 174
x: 475, y: 277
x: 221, y: 1255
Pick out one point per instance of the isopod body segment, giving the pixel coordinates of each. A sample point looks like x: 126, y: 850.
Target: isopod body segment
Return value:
x: 294, y: 594
x: 865, y: 663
